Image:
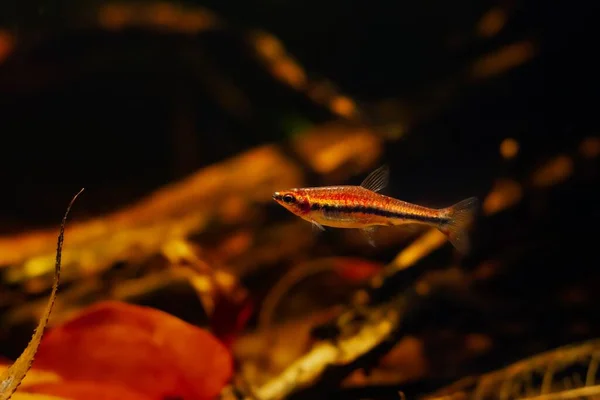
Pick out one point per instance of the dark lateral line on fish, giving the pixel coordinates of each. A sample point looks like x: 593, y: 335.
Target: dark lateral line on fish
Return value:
x: 376, y: 211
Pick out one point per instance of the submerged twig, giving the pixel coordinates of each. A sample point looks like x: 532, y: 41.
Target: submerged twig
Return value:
x: 361, y: 340
x: 283, y: 286
x: 543, y: 376
x: 14, y: 375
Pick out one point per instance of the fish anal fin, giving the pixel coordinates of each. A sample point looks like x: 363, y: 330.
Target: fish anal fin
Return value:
x: 368, y: 234
x: 377, y: 179
x: 461, y: 216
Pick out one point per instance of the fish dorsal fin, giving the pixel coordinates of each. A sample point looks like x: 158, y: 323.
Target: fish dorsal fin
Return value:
x: 377, y: 179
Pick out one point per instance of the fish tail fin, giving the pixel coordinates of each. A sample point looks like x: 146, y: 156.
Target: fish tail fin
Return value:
x: 461, y: 215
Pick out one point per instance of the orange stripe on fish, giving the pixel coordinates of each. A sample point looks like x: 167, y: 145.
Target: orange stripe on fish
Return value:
x: 363, y: 208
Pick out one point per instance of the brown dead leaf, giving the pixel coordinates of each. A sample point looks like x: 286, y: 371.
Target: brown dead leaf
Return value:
x: 142, y: 349
x: 12, y: 377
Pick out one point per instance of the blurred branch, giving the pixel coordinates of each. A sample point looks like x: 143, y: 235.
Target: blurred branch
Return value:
x: 169, y: 213
x: 157, y: 15
x: 226, y: 192
x: 228, y: 197
x: 362, y: 333
x: 327, y: 356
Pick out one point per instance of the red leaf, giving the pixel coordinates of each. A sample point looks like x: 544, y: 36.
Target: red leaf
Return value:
x: 355, y: 269
x: 85, y: 391
x: 143, y: 349
x: 229, y: 318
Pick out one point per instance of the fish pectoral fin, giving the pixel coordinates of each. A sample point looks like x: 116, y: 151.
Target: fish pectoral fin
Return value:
x: 368, y: 234
x: 317, y: 226
x: 378, y: 179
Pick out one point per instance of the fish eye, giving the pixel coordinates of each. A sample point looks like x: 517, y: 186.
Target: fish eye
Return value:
x: 288, y: 198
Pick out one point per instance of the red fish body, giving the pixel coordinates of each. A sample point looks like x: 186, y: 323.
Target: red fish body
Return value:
x: 361, y: 207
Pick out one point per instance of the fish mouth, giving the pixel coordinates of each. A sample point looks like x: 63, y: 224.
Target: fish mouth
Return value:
x: 276, y: 196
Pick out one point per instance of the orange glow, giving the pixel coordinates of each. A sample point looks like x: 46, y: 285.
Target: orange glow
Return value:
x: 268, y: 46
x: 509, y: 148
x: 554, y: 171
x: 418, y: 249
x: 198, y: 21
x: 323, y: 92
x: 325, y: 146
x: 590, y: 147
x: 114, y: 16
x: 504, y: 194
x: 286, y: 69
x: 6, y: 44
x: 478, y: 343
x: 281, y: 65
x: 290, y: 72
x: 161, y: 14
x: 492, y: 22
x: 233, y: 209
x: 504, y: 59
x: 344, y: 106
x: 236, y: 244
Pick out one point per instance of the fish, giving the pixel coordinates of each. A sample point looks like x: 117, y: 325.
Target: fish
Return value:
x: 363, y: 207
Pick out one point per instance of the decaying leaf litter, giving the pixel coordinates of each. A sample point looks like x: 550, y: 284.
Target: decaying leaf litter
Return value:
x: 368, y: 334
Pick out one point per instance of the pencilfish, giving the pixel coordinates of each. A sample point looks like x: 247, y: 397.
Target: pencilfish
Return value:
x: 362, y: 207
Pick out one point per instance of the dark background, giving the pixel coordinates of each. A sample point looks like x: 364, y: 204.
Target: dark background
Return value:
x: 81, y: 106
